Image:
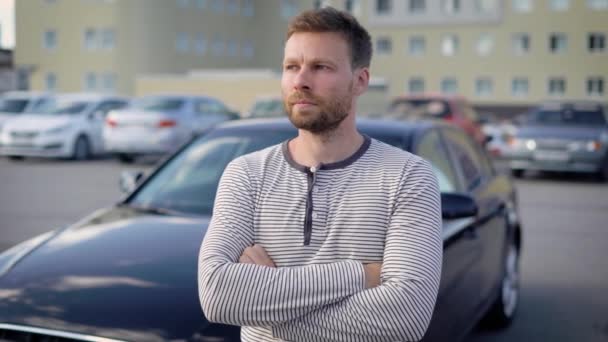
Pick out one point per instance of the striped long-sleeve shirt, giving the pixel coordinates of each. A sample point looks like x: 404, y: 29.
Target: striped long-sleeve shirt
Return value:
x: 320, y: 227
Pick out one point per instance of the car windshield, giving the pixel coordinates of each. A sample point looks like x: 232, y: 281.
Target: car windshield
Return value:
x: 13, y: 106
x: 268, y: 108
x: 419, y: 108
x: 188, y: 183
x: 571, y: 116
x: 69, y: 107
x: 149, y: 104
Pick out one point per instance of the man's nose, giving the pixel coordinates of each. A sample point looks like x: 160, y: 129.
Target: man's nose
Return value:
x: 301, y: 79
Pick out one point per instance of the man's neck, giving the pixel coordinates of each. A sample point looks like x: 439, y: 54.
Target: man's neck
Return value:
x: 310, y: 149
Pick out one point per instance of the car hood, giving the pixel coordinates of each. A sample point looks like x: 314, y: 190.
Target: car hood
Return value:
x: 118, y: 274
x: 560, y: 132
x: 37, y: 122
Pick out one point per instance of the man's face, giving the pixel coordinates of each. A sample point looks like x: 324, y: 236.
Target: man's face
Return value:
x: 317, y: 81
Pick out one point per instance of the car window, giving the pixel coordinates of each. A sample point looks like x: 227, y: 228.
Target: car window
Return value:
x: 431, y: 148
x: 13, y: 106
x: 474, y: 168
x: 209, y: 106
x: 189, y: 182
x: 70, y: 107
x: 42, y: 106
x: 420, y: 108
x: 153, y: 103
x: 568, y: 114
x: 107, y: 106
x: 468, y: 111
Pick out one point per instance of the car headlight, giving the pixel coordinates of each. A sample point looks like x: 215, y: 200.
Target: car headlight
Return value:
x: 593, y: 146
x: 530, y: 144
x: 57, y: 130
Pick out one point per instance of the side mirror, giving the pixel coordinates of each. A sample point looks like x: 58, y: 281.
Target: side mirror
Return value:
x: 129, y: 180
x: 455, y: 206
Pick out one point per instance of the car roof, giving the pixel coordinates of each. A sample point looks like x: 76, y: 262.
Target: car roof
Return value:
x: 393, y: 127
x: 24, y: 94
x: 181, y: 96
x: 88, y: 97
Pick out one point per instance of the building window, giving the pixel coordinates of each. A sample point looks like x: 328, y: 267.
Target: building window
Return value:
x: 597, y: 42
x: 248, y: 50
x: 232, y: 7
x: 200, y: 44
x: 559, y: 5
x: 415, y: 85
x: 108, y: 39
x: 449, y: 85
x: 247, y: 10
x: 595, y: 86
x: 384, y: 7
x: 90, y: 81
x: 485, y: 44
x: 218, y: 46
x: 320, y: 4
x: 384, y: 45
x: 450, y: 6
x: 353, y: 7
x: 449, y: 45
x: 484, y: 6
x: 597, y: 4
x: 557, y: 42
x: 233, y: 48
x: 182, y: 43
x: 416, y: 46
x: 484, y: 87
x: 217, y: 6
x: 523, y: 6
x: 50, y: 39
x: 521, y: 43
x: 417, y: 6
x: 288, y: 8
x: 183, y: 3
x: 520, y: 87
x: 201, y: 4
x: 90, y: 39
x: 109, y: 82
x: 50, y: 81
x: 556, y: 86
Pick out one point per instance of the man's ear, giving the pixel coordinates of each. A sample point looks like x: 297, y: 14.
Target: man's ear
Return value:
x: 361, y: 80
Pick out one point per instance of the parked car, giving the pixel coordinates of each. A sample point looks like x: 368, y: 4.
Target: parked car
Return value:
x: 499, y: 134
x: 13, y: 103
x: 267, y: 107
x: 160, y: 124
x: 70, y: 127
x: 566, y: 136
x: 452, y: 108
x: 129, y: 272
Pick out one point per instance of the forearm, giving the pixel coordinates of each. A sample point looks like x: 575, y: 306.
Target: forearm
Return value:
x: 254, y: 295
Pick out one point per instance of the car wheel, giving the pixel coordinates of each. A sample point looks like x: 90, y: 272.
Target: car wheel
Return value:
x: 126, y: 158
x: 82, y: 149
x: 517, y: 173
x: 602, y: 174
x: 17, y: 158
x: 503, y: 310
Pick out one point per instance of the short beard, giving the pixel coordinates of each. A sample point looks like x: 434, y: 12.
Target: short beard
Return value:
x: 330, y: 116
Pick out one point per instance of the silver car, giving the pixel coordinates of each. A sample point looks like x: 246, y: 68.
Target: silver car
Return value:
x: 562, y: 136
x: 160, y: 124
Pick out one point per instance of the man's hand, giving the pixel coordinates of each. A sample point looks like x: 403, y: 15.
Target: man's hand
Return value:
x: 257, y: 255
x: 372, y: 274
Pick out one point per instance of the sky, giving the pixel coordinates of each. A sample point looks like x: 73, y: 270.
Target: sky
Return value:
x: 7, y: 23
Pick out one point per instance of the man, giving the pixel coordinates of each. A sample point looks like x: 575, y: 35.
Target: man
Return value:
x: 331, y: 236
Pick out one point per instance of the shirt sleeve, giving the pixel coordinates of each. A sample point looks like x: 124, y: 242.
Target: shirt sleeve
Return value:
x: 254, y: 295
x: 400, y: 308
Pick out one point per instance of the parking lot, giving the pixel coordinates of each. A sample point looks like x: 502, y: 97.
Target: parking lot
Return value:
x: 564, y: 273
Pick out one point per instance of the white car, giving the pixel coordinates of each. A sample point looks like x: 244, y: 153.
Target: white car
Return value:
x: 71, y: 127
x: 14, y: 103
x: 160, y: 124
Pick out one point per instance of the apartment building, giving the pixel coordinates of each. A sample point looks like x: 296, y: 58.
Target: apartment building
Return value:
x: 496, y: 52
x: 102, y: 45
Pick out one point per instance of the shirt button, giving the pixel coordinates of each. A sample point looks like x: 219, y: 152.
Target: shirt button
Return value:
x: 315, y: 190
x: 314, y: 216
x: 313, y: 169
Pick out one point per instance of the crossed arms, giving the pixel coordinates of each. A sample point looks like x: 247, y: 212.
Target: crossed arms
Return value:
x: 238, y: 284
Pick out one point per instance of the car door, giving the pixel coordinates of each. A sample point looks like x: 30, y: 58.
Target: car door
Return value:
x: 96, y: 119
x: 491, y: 226
x: 461, y: 273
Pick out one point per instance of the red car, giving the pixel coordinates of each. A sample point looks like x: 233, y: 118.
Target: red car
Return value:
x: 452, y: 108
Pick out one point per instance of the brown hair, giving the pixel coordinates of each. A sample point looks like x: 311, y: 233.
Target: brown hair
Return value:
x: 329, y: 19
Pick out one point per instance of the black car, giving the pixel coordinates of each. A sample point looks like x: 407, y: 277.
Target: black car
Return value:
x: 129, y: 272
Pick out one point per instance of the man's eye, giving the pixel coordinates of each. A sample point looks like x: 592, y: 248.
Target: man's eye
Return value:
x: 321, y: 67
x: 290, y: 67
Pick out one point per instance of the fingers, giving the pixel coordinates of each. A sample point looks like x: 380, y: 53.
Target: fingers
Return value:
x: 256, y: 254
